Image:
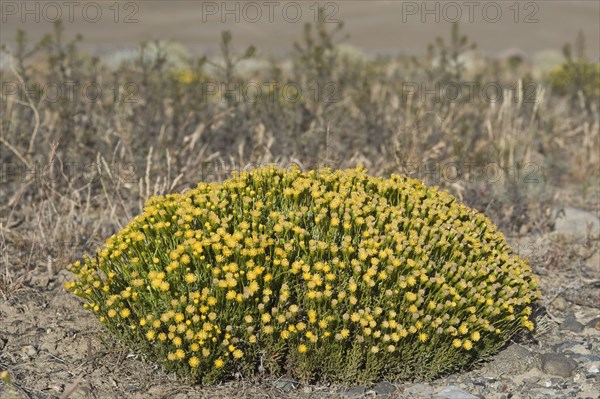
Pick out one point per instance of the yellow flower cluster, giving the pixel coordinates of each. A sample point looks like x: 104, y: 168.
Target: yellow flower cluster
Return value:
x: 329, y: 272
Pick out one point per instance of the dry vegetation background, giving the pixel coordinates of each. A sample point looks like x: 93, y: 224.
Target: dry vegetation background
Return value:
x: 75, y: 170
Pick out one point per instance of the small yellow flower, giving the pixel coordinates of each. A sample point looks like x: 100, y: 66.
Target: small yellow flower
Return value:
x: 468, y: 345
x: 150, y: 335
x: 219, y: 363
x: 164, y: 286
x: 238, y: 354
x: 194, y: 362
x: 457, y: 343
x: 125, y: 313
x: 302, y: 348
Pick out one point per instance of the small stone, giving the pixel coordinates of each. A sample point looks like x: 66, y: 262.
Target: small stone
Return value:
x: 593, y: 370
x: 29, y: 350
x: 39, y: 281
x: 558, y: 364
x: 532, y: 380
x: 454, y: 392
x: 515, y: 359
x: 571, y: 324
x: 585, y: 358
x: 544, y: 392
x: 384, y: 388
x: 307, y: 390
x: 576, y: 221
x: 594, y: 323
x: 57, y: 388
x: 286, y: 385
x: 419, y: 390
x: 560, y: 304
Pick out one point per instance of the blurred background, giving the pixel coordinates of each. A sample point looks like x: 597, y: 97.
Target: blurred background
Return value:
x: 375, y: 27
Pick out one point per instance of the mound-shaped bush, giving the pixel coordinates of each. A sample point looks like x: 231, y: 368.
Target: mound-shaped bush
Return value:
x: 325, y: 275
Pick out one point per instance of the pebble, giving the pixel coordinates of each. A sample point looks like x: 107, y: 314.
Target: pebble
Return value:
x: 558, y: 364
x: 594, y: 324
x: 593, y: 370
x: 286, y: 385
x: 585, y: 358
x: 383, y: 388
x: 29, y: 350
x: 560, y: 304
x: 571, y: 324
x: 544, y: 392
x: 454, y: 392
x: 419, y: 390
x: 576, y: 221
x: 353, y: 392
x: 57, y: 388
x: 515, y: 359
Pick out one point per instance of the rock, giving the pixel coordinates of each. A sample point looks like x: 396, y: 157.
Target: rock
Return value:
x: 454, y: 392
x: 532, y: 380
x: 544, y: 392
x: 594, y: 324
x: 353, y: 392
x: 560, y: 304
x: 384, y: 388
x: 576, y: 221
x: 59, y: 388
x: 29, y: 350
x: 286, y: 385
x: 39, y: 281
x: 419, y: 390
x: 571, y: 324
x: 585, y: 358
x: 593, y: 370
x: 515, y: 359
x: 558, y: 364
x: 585, y: 295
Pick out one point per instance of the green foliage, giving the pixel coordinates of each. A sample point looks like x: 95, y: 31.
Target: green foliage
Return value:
x: 325, y: 275
x: 577, y: 74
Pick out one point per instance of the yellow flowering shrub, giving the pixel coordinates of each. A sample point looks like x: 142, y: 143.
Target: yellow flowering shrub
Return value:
x: 328, y: 275
x: 575, y: 76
